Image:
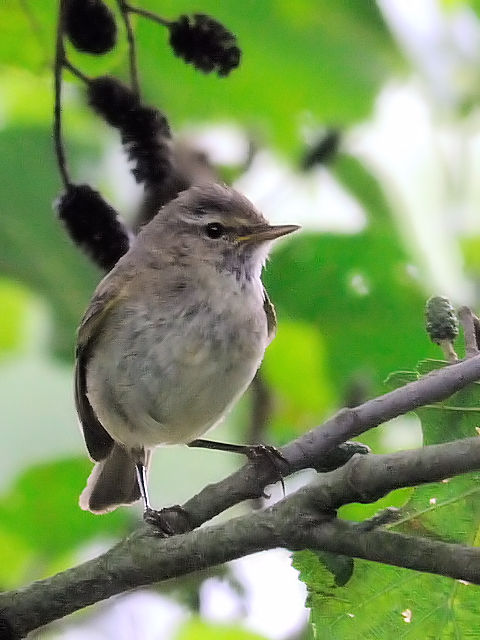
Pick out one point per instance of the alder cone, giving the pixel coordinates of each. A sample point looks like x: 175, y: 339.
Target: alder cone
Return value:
x: 204, y: 42
x: 93, y: 225
x: 441, y: 321
x: 90, y: 26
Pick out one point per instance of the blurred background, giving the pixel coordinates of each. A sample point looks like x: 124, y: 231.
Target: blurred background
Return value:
x: 358, y: 120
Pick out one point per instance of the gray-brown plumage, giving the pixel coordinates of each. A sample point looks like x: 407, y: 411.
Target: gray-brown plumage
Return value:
x: 172, y: 337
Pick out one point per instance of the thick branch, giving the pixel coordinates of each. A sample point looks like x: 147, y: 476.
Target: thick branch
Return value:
x: 314, y: 448
x: 410, y: 552
x: 303, y: 520
x: 141, y: 559
x: 367, y: 478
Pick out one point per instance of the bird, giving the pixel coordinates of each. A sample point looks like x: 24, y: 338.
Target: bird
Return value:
x: 172, y: 337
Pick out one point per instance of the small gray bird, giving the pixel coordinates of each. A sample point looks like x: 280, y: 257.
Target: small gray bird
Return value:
x: 172, y: 337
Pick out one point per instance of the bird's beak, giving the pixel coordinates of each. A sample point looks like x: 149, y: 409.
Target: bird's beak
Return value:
x: 267, y: 232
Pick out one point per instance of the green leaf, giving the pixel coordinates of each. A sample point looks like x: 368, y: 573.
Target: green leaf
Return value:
x: 357, y: 290
x: 383, y: 601
x: 341, y: 567
x: 450, y: 509
x: 28, y: 30
x: 398, y: 379
x: 430, y: 364
x: 41, y: 510
x: 387, y: 602
x: 14, y: 302
x: 33, y: 245
x: 295, y: 370
x: 196, y: 629
x: 28, y: 39
x: 16, y: 556
x: 358, y: 512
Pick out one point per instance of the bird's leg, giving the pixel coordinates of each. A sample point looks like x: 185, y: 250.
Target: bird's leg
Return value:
x: 168, y: 521
x: 252, y: 451
x: 142, y: 485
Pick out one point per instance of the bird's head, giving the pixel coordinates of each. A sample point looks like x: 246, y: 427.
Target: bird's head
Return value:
x: 215, y: 224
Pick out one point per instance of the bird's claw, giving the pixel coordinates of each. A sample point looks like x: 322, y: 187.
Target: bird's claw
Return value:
x: 168, y: 522
x: 273, y: 456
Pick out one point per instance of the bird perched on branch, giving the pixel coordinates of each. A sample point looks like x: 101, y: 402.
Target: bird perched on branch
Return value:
x: 173, y: 335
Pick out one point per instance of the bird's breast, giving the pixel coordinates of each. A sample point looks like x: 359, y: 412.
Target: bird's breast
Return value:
x: 173, y: 375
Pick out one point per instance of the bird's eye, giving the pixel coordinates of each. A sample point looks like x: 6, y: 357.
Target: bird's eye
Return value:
x: 214, y: 230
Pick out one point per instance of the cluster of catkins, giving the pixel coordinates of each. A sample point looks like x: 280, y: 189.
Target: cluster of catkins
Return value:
x: 90, y: 26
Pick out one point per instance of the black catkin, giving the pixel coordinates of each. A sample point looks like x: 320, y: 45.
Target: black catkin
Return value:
x: 205, y: 43
x: 90, y: 26
x: 146, y: 137
x: 112, y: 100
x: 323, y: 152
x: 144, y: 131
x: 93, y: 225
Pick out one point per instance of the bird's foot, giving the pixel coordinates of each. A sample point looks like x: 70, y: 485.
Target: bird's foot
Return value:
x: 272, y: 455
x: 169, y: 521
x: 252, y: 451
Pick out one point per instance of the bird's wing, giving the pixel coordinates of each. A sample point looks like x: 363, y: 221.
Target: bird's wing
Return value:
x: 271, y: 316
x: 98, y: 441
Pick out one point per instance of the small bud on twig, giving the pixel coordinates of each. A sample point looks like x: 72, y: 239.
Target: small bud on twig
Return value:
x: 441, y: 324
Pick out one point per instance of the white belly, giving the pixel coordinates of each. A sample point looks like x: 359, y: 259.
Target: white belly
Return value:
x: 176, y: 380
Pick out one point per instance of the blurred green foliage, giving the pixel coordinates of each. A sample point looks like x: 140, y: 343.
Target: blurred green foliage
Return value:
x: 338, y: 55
x: 350, y: 310
x: 198, y: 630
x: 36, y: 516
x: 13, y: 302
x: 33, y: 247
x: 355, y: 289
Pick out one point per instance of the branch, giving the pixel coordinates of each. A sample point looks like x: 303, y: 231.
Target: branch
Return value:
x: 409, y: 552
x: 304, y: 520
x: 57, y: 107
x: 148, y: 14
x: 316, y: 448
x: 365, y: 479
x: 132, y: 51
x: 471, y: 328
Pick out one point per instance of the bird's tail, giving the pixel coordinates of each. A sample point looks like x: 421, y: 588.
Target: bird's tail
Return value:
x: 113, y: 482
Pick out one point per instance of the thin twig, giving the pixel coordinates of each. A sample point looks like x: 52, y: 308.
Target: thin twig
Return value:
x: 132, y: 52
x: 312, y: 448
x: 261, y: 410
x: 57, y: 113
x: 148, y: 14
x: 469, y: 323
x: 75, y: 71
x: 448, y: 351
